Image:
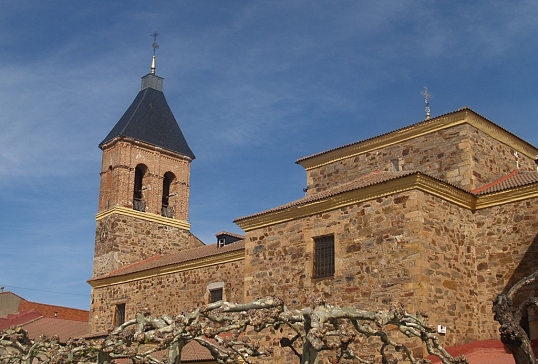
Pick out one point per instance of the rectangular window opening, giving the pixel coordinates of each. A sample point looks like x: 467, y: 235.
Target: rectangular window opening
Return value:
x: 324, y: 256
x: 120, y: 314
x: 215, y: 295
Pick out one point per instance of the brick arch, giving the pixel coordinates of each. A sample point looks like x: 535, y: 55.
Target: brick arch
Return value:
x: 168, y: 194
x: 141, y: 171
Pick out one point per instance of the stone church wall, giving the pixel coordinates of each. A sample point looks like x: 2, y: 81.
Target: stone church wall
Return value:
x: 383, y: 250
x: 412, y: 247
x: 507, y: 250
x: 460, y: 155
x: 166, y: 294
x: 122, y: 240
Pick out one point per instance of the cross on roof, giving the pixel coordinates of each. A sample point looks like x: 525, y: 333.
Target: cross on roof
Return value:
x: 155, y: 45
x: 427, y: 101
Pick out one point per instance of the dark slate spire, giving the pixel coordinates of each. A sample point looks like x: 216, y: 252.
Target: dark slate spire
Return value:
x: 150, y: 120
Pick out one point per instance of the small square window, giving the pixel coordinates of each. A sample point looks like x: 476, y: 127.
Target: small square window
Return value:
x: 324, y: 256
x: 215, y: 295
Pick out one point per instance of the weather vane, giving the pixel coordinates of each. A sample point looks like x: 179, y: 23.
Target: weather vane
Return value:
x: 427, y: 100
x: 155, y: 47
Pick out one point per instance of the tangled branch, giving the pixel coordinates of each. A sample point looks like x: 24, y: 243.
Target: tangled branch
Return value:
x: 221, y: 328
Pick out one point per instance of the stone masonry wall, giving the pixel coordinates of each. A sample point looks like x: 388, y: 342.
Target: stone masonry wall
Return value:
x: 382, y: 249
x: 122, y: 240
x: 461, y: 155
x: 448, y: 270
x: 492, y: 159
x: 506, y: 250
x: 412, y: 247
x: 167, y: 294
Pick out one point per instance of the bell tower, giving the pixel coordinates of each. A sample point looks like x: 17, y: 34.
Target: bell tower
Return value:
x: 145, y: 180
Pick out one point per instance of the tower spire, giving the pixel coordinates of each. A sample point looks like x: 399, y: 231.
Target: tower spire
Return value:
x: 427, y: 101
x: 155, y: 47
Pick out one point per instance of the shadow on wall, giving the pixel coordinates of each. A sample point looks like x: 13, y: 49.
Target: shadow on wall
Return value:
x: 527, y: 265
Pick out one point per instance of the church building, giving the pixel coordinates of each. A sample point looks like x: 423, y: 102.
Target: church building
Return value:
x: 440, y: 215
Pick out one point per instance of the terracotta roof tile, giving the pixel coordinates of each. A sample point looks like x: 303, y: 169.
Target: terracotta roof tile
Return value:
x: 230, y: 234
x: 50, y: 326
x: 432, y: 120
x: 18, y: 319
x: 192, y: 352
x: 195, y: 352
x: 371, y: 179
x: 181, y: 257
x: 513, y: 180
x: 67, y: 313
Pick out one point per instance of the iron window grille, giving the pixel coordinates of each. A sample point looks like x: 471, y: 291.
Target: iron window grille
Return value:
x: 215, y: 295
x: 324, y: 256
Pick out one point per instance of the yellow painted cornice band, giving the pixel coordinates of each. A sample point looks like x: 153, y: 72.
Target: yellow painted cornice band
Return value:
x: 416, y: 181
x: 170, y: 269
x: 442, y: 122
x: 146, y: 216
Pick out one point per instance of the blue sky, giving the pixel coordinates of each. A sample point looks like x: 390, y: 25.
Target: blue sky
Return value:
x: 254, y: 85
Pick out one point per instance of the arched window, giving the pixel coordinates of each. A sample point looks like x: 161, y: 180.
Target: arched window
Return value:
x: 138, y: 202
x: 108, y: 193
x: 167, y: 209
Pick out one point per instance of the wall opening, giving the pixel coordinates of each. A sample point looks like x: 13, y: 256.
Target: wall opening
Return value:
x: 138, y: 202
x: 167, y: 209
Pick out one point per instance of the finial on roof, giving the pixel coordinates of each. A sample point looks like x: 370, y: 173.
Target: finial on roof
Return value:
x: 427, y: 100
x: 155, y: 47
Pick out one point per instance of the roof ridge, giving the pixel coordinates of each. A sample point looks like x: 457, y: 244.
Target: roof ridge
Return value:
x: 230, y: 234
x: 116, y: 271
x: 338, y: 189
x: 31, y: 321
x: 496, y: 182
x: 174, y: 258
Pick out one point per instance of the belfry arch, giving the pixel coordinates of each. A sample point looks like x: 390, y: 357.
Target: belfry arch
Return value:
x: 138, y: 195
x: 168, y: 195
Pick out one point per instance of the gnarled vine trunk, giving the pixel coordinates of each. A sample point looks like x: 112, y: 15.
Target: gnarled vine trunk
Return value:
x: 511, y: 332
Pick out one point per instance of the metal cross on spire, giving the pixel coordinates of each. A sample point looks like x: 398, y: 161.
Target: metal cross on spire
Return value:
x: 155, y: 47
x: 427, y: 100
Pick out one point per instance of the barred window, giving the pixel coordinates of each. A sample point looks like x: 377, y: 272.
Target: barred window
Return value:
x: 215, y: 295
x: 324, y: 256
x: 120, y: 314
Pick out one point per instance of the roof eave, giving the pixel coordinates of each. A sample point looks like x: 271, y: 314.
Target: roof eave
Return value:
x: 461, y: 116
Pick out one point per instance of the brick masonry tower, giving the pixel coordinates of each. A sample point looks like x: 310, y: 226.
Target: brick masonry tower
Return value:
x: 144, y: 194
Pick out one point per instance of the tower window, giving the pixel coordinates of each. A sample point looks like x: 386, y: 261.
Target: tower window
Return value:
x: 166, y: 209
x: 324, y: 256
x: 138, y: 202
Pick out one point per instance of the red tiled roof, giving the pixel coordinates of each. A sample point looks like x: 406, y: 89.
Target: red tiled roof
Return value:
x: 193, y: 352
x: 432, y: 120
x: 371, y: 179
x: 230, y: 234
x: 181, y: 257
x: 51, y: 326
x: 61, y: 312
x: 513, y: 180
x: 18, y: 318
